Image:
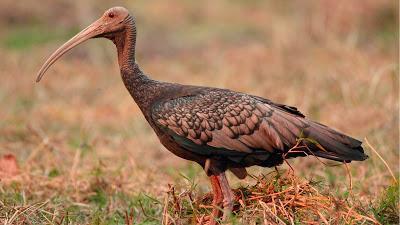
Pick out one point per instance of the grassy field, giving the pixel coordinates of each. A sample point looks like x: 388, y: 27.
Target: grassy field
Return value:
x: 75, y: 149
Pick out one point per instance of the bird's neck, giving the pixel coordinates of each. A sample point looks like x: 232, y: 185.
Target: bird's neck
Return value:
x: 138, y: 84
x: 125, y: 42
x: 143, y: 89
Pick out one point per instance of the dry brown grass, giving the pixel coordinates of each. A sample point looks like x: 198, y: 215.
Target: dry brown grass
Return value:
x: 274, y: 199
x: 84, y: 149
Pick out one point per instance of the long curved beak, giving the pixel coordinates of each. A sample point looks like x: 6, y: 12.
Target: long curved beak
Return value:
x: 91, y: 31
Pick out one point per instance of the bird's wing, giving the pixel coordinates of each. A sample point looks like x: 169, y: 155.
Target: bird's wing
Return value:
x: 222, y: 122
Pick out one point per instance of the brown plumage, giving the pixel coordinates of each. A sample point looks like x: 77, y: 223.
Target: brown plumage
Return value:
x: 217, y: 128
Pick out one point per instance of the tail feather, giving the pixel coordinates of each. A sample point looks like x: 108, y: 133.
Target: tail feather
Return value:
x: 327, y: 143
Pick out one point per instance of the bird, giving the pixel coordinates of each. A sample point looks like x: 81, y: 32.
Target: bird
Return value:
x: 220, y: 129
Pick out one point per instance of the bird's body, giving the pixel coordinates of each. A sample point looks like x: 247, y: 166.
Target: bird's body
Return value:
x: 232, y: 129
x: 219, y: 129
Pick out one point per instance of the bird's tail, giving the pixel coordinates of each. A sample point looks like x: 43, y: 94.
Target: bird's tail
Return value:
x: 327, y: 143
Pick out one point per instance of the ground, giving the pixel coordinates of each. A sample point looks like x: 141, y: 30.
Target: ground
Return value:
x: 75, y: 148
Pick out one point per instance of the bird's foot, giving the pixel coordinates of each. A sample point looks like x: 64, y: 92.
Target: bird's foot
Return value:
x: 222, y: 199
x: 228, y: 196
x: 217, y: 200
x: 208, y: 220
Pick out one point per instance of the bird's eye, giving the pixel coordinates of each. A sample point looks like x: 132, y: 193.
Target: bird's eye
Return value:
x: 111, y: 15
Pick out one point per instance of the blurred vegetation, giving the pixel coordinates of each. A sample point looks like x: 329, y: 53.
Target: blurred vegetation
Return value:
x: 22, y: 38
x: 387, y: 210
x: 85, y: 154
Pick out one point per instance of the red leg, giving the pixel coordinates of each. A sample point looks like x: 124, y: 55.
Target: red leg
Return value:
x: 227, y: 194
x: 217, y: 198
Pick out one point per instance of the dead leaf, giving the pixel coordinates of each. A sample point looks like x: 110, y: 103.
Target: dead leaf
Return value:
x: 8, y: 166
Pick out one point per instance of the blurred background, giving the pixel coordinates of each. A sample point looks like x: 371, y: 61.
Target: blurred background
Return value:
x: 336, y: 60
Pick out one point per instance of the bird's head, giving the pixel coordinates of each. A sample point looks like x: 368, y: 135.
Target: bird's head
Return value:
x: 110, y: 25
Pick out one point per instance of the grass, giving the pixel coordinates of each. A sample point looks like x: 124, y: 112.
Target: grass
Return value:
x: 85, y: 155
x: 96, y: 211
x: 387, y: 209
x: 275, y: 198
